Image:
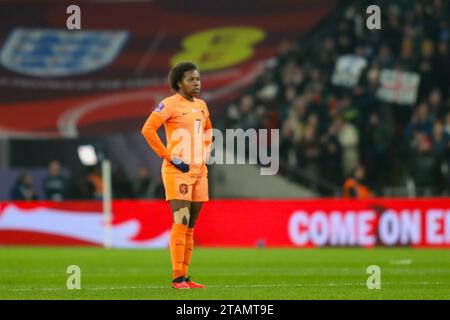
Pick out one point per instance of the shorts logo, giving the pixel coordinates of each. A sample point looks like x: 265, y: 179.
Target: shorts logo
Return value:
x: 159, y: 107
x: 183, y: 188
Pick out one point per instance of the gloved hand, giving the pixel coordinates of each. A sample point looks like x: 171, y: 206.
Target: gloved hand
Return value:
x: 177, y: 162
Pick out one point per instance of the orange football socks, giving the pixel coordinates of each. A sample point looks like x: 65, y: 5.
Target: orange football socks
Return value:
x: 188, y: 250
x: 177, y: 245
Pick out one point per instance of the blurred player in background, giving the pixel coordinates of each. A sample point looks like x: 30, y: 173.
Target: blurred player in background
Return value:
x: 185, y: 175
x: 354, y: 186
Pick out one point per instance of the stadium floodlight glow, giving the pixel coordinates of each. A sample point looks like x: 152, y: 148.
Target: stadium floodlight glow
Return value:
x: 87, y: 155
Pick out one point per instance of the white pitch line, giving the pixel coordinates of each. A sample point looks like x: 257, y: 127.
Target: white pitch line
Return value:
x: 401, y: 262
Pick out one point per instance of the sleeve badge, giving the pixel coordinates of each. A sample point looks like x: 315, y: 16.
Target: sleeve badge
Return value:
x: 159, y: 107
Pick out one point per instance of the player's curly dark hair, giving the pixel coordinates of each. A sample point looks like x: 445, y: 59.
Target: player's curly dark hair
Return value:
x: 177, y: 72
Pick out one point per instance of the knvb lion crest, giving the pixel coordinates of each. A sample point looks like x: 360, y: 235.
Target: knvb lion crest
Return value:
x: 55, y: 53
x: 183, y: 188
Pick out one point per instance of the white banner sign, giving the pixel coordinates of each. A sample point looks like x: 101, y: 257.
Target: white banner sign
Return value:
x: 348, y: 70
x: 398, y: 86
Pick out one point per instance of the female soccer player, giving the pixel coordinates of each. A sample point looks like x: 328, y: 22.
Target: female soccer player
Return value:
x: 185, y: 176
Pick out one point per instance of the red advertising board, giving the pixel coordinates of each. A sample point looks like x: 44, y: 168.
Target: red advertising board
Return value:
x: 235, y: 223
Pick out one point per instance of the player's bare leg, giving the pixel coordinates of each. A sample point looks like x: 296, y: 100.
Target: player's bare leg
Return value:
x: 195, y: 211
x: 181, y: 211
x: 181, y: 216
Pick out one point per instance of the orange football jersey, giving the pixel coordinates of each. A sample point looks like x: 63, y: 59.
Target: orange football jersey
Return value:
x: 185, y: 123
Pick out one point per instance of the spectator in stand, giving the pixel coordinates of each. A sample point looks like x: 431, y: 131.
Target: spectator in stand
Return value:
x: 286, y: 145
x: 95, y: 183
x: 436, y: 104
x: 121, y: 186
x: 446, y: 153
x: 249, y: 118
x: 355, y: 187
x: 55, y: 184
x: 442, y: 63
x: 439, y: 141
x: 309, y: 151
x: 377, y: 135
x: 146, y: 186
x: 331, y: 162
x: 23, y: 189
x: 348, y: 137
x: 424, y: 165
x: 421, y: 121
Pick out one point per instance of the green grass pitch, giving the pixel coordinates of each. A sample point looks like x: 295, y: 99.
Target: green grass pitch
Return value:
x: 289, y: 274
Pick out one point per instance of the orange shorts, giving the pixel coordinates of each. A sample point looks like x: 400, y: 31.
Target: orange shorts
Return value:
x: 181, y: 186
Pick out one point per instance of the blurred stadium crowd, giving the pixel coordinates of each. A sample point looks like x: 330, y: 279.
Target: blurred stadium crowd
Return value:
x: 327, y: 131
x: 58, y: 185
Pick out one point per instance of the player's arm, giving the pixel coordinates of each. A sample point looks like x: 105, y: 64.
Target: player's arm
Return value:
x: 150, y: 133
